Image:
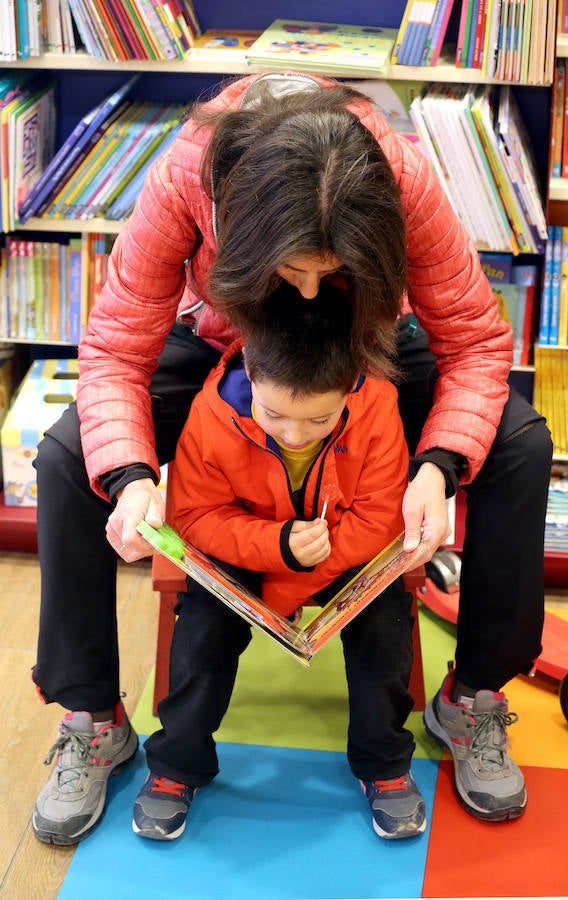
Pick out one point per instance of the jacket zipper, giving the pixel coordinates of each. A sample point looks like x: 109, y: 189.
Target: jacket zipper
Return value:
x: 319, y: 460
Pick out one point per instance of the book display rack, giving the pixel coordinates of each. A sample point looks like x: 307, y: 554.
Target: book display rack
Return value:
x: 84, y: 64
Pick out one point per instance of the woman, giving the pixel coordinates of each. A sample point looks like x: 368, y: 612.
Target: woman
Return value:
x: 296, y: 178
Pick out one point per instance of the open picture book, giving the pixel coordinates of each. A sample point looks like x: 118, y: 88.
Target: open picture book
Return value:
x: 301, y: 641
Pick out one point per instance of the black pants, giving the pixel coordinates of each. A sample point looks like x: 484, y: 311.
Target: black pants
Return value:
x: 502, y: 595
x: 208, y: 640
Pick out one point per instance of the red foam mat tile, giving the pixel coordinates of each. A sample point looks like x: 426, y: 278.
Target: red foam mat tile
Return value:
x: 525, y: 857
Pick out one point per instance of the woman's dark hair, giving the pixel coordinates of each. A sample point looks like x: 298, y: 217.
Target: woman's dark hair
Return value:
x: 303, y: 345
x: 298, y: 175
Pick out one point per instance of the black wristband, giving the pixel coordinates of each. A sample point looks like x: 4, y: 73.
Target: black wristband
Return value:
x: 112, y: 482
x: 449, y: 463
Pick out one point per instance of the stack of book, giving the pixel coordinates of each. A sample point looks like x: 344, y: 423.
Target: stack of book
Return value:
x: 553, y: 323
x: 28, y: 123
x: 48, y: 288
x: 514, y: 285
x: 100, y: 168
x: 556, y: 523
x: 422, y: 32
x: 107, y: 29
x: 477, y: 144
x: 551, y: 393
x: 135, y: 29
x: 505, y: 39
x: 324, y: 47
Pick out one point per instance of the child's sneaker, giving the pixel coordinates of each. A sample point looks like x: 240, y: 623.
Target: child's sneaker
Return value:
x: 72, y: 801
x: 487, y: 781
x: 397, y: 805
x: 161, y: 807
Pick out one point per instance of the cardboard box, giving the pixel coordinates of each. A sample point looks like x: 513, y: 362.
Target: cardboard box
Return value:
x: 45, y: 392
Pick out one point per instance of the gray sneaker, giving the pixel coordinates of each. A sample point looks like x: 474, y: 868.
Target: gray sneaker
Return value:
x: 72, y: 801
x: 397, y: 807
x: 487, y: 781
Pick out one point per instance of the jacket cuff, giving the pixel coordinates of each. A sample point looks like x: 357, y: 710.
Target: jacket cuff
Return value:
x: 450, y: 464
x: 287, y: 554
x: 112, y: 482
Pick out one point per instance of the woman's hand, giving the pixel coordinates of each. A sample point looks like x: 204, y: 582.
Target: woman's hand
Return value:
x: 138, y: 500
x: 309, y: 542
x: 425, y: 510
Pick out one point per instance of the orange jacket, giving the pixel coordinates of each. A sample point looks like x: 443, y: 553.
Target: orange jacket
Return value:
x: 149, y: 284
x: 231, y: 494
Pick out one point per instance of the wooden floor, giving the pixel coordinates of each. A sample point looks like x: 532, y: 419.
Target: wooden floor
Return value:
x: 30, y: 870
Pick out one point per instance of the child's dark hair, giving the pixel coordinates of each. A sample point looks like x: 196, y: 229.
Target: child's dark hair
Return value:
x: 304, y: 345
x: 298, y: 175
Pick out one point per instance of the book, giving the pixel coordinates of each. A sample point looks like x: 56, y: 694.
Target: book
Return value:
x: 74, y: 289
x: 72, y: 151
x: 417, y: 27
x: 563, y: 300
x: 323, y: 47
x: 301, y: 642
x: 224, y: 44
x: 31, y: 139
x: 498, y: 267
x: 527, y: 275
x: 437, y: 33
x: 512, y: 299
x: 545, y: 297
x: 555, y: 285
x: 557, y: 129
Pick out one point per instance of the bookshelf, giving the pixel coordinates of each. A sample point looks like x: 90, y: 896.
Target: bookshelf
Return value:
x: 82, y: 81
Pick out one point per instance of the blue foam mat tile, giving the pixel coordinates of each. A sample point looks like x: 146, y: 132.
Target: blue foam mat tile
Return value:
x: 277, y: 823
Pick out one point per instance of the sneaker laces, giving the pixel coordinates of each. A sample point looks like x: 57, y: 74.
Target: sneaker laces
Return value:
x: 164, y: 785
x: 75, y: 748
x: 490, y: 741
x: 391, y: 784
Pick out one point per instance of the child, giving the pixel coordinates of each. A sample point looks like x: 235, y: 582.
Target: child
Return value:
x: 282, y: 426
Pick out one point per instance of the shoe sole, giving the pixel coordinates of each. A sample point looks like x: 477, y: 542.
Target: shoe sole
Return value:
x: 435, y: 730
x: 401, y: 834
x: 155, y: 834
x: 63, y: 840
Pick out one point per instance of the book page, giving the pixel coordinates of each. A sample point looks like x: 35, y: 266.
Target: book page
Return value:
x: 361, y: 590
x: 235, y: 595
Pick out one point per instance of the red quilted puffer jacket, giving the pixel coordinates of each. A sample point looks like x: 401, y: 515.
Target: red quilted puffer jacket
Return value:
x: 149, y: 285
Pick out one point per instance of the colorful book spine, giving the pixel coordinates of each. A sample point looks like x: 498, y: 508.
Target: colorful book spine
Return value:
x: 557, y: 130
x: 545, y: 298
x: 74, y: 290
x: 401, y: 33
x: 527, y: 275
x: 72, y: 149
x: 555, y: 285
x: 563, y: 307
x: 63, y: 295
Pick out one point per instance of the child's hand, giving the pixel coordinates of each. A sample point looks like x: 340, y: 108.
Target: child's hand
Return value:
x: 309, y: 542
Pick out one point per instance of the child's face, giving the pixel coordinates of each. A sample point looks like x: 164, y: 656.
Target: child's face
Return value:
x: 305, y: 272
x: 296, y: 421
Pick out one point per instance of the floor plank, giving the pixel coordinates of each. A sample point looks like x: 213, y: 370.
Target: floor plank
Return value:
x: 29, y: 869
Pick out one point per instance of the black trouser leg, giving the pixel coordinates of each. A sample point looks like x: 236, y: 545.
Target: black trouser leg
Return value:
x: 208, y: 640
x: 377, y: 646
x: 502, y: 581
x: 501, y: 609
x: 77, y: 658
